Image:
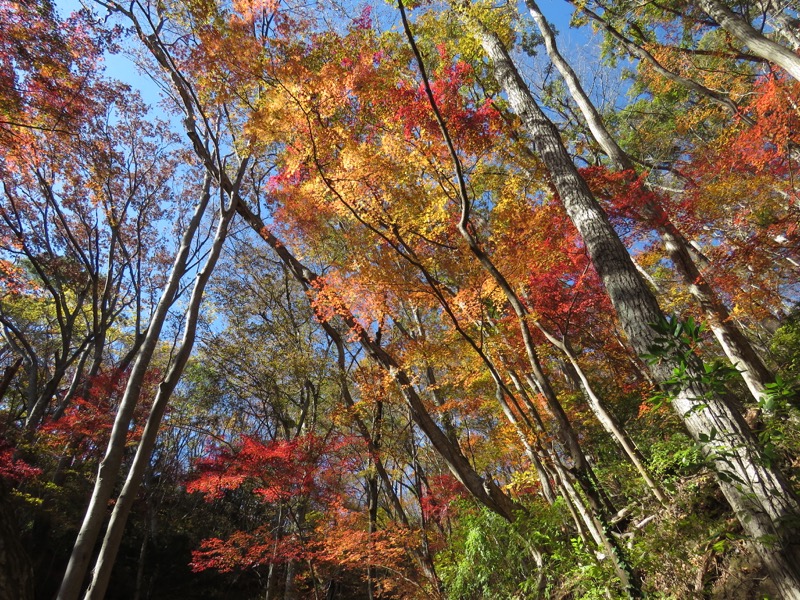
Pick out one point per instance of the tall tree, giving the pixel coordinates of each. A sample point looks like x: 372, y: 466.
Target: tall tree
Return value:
x: 759, y: 494
x: 733, y: 342
x: 108, y: 470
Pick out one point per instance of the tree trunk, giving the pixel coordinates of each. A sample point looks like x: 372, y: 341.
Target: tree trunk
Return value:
x: 8, y: 376
x: 612, y: 426
x: 137, y: 592
x: 759, y: 494
x: 372, y: 492
x: 290, y: 589
x: 109, y: 466
x: 733, y: 342
x: 108, y: 552
x: 758, y: 44
x: 591, y: 519
x: 541, y: 471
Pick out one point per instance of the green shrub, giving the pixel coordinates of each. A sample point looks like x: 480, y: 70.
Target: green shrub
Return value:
x: 675, y: 457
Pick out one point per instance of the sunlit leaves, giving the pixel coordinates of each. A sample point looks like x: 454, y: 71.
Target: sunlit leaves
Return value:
x: 46, y: 66
x: 281, y: 469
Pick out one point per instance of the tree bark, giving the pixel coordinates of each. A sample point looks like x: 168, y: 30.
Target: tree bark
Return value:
x: 8, y: 376
x: 733, y: 342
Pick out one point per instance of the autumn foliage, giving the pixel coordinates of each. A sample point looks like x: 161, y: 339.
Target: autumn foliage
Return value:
x: 410, y: 374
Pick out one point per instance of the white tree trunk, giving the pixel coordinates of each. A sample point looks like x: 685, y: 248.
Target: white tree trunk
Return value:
x: 109, y: 466
x: 758, y: 44
x: 108, y: 552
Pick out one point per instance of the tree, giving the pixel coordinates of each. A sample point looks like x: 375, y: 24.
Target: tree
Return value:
x: 760, y: 495
x: 112, y: 460
x: 733, y: 342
